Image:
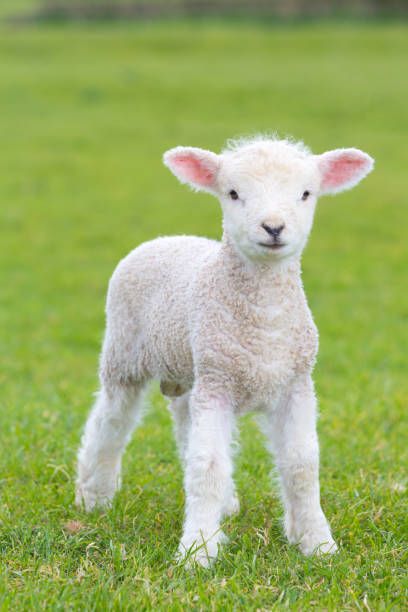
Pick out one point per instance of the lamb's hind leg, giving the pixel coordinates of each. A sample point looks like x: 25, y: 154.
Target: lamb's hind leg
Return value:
x: 107, y: 431
x: 180, y: 409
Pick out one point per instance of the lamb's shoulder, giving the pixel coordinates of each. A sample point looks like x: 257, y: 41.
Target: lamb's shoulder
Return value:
x: 304, y: 336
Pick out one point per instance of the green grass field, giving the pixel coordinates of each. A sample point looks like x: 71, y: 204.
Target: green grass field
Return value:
x: 85, y: 117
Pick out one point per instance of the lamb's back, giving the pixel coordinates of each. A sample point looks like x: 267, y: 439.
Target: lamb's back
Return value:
x: 158, y: 273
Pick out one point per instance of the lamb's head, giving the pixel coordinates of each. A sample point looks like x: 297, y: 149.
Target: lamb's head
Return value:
x: 268, y: 189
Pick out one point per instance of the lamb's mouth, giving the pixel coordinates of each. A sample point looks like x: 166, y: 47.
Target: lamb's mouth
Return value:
x: 272, y: 245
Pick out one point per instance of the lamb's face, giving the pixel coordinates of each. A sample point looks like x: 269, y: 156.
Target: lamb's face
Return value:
x: 268, y: 194
x: 268, y: 189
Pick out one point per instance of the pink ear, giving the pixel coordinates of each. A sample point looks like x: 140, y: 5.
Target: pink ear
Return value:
x: 342, y: 169
x: 194, y: 166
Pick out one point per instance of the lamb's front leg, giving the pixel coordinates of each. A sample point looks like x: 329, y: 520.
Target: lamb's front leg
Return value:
x: 293, y: 437
x: 208, y: 475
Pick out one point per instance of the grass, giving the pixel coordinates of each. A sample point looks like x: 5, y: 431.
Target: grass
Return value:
x: 10, y: 9
x: 85, y: 117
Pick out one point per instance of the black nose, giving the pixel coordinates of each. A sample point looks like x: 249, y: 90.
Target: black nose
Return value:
x: 273, y: 231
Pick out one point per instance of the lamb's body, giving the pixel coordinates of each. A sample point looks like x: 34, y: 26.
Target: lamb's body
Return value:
x: 181, y: 307
x: 149, y: 307
x: 225, y: 328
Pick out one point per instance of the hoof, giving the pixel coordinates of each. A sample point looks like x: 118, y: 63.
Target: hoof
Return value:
x: 91, y: 500
x: 198, y: 550
x: 328, y: 547
x: 313, y: 538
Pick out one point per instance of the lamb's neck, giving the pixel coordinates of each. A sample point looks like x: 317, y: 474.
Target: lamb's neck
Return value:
x: 267, y: 277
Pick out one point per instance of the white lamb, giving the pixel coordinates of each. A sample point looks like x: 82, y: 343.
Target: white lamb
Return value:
x: 226, y: 329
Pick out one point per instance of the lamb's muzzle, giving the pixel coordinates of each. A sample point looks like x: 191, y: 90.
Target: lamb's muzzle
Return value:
x: 273, y: 231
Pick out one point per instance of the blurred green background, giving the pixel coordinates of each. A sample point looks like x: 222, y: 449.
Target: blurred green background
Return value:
x: 37, y: 10
x: 87, y: 109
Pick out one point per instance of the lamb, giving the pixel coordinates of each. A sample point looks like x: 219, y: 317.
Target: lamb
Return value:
x: 225, y: 327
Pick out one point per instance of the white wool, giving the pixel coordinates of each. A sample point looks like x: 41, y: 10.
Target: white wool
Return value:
x: 225, y: 327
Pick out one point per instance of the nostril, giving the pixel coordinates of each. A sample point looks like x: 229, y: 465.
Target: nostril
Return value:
x: 273, y: 231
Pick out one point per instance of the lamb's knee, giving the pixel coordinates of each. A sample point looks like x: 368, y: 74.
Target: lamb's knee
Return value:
x: 208, y: 472
x: 298, y: 458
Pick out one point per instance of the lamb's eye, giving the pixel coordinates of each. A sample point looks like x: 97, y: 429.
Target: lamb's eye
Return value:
x: 305, y: 195
x: 233, y: 194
